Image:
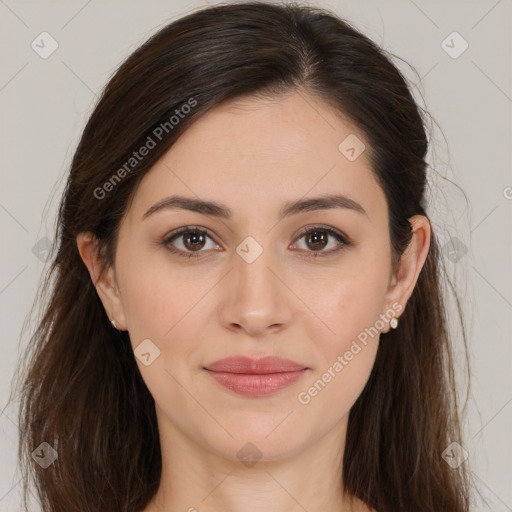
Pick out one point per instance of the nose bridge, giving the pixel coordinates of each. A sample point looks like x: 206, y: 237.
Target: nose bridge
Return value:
x: 258, y: 300
x: 254, y: 280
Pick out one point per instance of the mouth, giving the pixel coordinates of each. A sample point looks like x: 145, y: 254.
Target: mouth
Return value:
x: 255, y: 377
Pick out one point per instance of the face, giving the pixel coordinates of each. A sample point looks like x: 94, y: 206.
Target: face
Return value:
x: 253, y: 283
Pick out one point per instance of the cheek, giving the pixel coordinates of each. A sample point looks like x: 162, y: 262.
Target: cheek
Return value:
x: 154, y: 295
x: 166, y: 308
x: 346, y: 345
x: 346, y: 303
x: 345, y: 330
x: 333, y: 390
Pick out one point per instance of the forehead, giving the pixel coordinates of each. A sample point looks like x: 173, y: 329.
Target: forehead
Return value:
x: 262, y: 152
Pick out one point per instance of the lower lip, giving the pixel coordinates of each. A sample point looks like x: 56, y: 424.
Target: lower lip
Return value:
x: 256, y: 384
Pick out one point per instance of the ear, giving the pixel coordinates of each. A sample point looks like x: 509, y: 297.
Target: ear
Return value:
x: 102, y: 277
x: 411, y: 262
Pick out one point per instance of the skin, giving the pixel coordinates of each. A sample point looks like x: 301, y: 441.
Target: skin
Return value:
x: 253, y: 155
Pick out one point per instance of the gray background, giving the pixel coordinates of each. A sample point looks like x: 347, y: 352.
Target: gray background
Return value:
x: 45, y: 103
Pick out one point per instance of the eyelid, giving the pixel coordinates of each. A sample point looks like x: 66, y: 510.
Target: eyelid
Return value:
x: 322, y: 227
x: 343, y: 240
x: 186, y: 229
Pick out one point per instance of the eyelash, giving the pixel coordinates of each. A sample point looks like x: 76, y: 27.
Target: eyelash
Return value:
x: 343, y: 240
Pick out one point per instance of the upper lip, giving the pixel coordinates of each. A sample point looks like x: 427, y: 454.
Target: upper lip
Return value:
x: 247, y: 365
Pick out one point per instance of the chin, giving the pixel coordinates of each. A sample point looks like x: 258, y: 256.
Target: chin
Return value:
x: 256, y: 441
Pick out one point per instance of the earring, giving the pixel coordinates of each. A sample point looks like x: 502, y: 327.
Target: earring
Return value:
x: 393, y: 323
x: 113, y: 322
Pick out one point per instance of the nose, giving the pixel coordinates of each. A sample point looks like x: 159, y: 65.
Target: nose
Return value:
x: 256, y: 298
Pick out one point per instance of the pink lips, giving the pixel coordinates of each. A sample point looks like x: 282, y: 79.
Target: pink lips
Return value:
x: 255, y: 377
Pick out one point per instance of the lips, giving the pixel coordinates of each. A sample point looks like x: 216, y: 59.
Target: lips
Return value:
x: 246, y: 365
x: 255, y: 377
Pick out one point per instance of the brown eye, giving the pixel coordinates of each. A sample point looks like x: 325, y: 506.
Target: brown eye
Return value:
x: 193, y: 240
x: 187, y: 241
x: 316, y: 239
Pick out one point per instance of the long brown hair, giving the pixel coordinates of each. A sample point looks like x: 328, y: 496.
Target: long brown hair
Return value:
x: 81, y: 391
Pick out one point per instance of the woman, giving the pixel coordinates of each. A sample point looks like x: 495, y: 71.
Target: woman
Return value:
x: 247, y: 311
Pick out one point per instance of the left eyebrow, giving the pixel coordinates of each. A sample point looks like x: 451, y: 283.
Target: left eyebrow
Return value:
x: 214, y: 209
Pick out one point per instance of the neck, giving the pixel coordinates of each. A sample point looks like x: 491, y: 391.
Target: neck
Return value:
x: 194, y: 479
